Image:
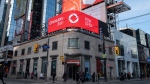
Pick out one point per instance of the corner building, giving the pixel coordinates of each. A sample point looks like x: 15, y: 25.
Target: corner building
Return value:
x: 82, y: 51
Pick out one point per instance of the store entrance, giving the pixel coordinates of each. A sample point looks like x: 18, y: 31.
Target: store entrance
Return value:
x: 72, y: 69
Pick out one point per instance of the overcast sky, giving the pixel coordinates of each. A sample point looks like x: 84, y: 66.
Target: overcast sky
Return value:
x: 138, y: 7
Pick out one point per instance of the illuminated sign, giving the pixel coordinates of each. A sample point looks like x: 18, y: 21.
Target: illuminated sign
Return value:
x: 87, y: 3
x: 71, y: 5
x: 73, y: 19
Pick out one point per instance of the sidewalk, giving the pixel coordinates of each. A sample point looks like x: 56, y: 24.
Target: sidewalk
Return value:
x: 70, y: 81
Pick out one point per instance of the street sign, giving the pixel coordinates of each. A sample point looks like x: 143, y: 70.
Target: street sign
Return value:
x: 104, y: 55
x: 61, y: 57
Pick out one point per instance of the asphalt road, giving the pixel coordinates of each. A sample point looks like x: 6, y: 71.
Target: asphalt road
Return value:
x: 29, y: 81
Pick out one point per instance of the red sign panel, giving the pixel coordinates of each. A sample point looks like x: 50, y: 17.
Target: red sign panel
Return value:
x: 87, y: 3
x: 72, y: 61
x: 73, y: 19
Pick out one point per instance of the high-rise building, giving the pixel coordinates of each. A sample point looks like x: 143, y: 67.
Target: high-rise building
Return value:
x: 32, y: 17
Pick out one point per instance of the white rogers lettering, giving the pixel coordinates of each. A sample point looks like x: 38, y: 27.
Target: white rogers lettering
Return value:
x: 88, y: 22
x: 56, y: 20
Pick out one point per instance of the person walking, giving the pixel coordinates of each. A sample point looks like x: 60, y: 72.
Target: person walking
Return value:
x: 1, y: 76
x: 87, y: 77
x: 64, y: 77
x: 93, y: 77
x: 77, y: 77
x: 98, y: 76
x: 53, y: 75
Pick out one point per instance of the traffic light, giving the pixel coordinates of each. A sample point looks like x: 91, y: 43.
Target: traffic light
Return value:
x: 116, y: 50
x: 63, y: 62
x: 36, y: 48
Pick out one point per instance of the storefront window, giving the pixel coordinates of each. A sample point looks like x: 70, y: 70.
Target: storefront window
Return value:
x: 43, y: 68
x: 100, y: 67
x: 53, y: 66
x: 35, y: 64
x: 87, y: 65
x: 21, y: 66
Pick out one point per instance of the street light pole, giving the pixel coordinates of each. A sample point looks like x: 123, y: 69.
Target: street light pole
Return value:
x: 47, y: 58
x: 105, y: 72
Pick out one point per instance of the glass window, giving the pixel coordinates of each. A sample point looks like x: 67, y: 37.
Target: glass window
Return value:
x: 53, y: 65
x: 43, y: 68
x: 100, y: 48
x: 16, y: 52
x: 23, y: 52
x: 54, y: 45
x: 73, y: 42
x: 35, y: 64
x: 87, y: 45
x: 110, y: 51
x: 100, y: 67
x: 29, y: 50
x: 21, y: 66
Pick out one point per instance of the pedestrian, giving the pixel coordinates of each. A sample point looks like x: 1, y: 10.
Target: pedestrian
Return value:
x: 93, y: 77
x: 35, y: 75
x: 53, y: 76
x: 64, y: 77
x: 1, y: 76
x: 87, y: 77
x: 129, y: 76
x: 26, y: 74
x: 32, y: 75
x: 82, y: 77
x: 77, y: 77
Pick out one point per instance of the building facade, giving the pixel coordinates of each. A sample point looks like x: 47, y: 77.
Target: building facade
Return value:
x: 127, y: 60
x: 81, y: 51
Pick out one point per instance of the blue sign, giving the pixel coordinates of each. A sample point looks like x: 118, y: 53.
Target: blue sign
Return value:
x: 45, y: 47
x: 148, y: 59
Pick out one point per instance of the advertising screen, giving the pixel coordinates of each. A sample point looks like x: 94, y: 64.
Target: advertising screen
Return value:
x: 73, y: 19
x: 20, y: 8
x: 88, y: 3
x: 98, y: 11
x: 148, y: 39
x: 71, y: 5
x: 142, y: 37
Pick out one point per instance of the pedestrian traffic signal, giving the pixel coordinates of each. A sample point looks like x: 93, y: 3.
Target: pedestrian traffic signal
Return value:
x: 36, y: 48
x: 116, y: 50
x: 63, y: 62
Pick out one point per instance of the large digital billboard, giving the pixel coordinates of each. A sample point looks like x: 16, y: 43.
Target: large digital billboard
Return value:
x: 20, y: 8
x: 73, y: 19
x: 142, y: 37
x: 98, y: 11
x: 88, y: 3
x: 71, y: 5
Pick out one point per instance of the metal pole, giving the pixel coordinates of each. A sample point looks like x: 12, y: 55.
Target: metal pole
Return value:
x: 105, y: 76
x: 47, y: 60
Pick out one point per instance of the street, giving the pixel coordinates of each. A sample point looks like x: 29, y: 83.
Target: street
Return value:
x: 29, y: 81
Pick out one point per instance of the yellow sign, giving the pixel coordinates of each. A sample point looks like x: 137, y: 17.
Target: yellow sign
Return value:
x: 61, y: 57
x: 116, y: 50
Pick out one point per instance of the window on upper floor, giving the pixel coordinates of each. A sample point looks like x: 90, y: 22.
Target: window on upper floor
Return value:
x: 87, y: 45
x: 29, y: 50
x: 100, y: 48
x: 72, y: 42
x: 23, y: 52
x: 16, y: 52
x: 54, y: 45
x: 110, y: 50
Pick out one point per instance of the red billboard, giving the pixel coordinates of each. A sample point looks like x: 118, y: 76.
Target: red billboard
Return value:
x: 73, y: 19
x: 71, y: 5
x: 87, y: 3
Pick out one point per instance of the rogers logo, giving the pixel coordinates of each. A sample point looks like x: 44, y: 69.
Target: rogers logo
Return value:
x: 73, y: 18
